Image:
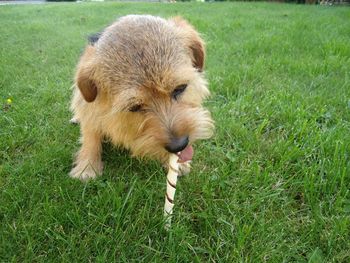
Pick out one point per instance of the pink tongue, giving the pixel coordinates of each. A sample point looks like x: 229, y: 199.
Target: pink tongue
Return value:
x: 186, y: 154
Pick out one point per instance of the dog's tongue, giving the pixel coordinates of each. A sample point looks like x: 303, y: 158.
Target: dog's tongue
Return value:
x: 186, y: 154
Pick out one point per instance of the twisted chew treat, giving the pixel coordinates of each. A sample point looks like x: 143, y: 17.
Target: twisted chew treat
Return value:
x: 170, y: 189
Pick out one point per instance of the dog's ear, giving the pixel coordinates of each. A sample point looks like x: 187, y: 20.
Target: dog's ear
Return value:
x: 193, y: 41
x: 84, y: 75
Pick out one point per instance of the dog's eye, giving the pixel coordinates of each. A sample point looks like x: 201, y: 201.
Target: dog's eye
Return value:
x: 136, y: 108
x: 178, y: 91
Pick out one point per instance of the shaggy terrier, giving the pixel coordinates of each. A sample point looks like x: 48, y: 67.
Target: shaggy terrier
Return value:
x: 140, y: 83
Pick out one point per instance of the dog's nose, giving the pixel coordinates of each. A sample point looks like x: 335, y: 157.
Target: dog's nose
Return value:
x: 177, y: 144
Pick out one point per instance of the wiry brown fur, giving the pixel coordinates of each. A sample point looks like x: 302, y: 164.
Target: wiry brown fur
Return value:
x: 139, y: 60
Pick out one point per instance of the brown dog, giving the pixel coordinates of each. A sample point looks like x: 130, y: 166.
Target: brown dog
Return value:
x: 140, y: 84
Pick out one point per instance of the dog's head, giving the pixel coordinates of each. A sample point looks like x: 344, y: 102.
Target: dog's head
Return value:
x: 149, y: 71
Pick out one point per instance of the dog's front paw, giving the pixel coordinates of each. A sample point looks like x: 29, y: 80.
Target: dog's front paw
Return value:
x: 184, y: 168
x: 74, y: 121
x: 86, y: 171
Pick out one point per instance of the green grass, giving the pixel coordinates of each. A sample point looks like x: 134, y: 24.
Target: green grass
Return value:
x: 271, y: 186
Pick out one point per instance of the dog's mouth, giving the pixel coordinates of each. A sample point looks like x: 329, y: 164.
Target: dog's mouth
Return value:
x: 186, y: 154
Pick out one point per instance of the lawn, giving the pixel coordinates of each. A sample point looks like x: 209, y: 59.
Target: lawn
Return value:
x: 272, y: 185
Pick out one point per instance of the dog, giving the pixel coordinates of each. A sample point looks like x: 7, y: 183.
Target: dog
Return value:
x: 140, y: 84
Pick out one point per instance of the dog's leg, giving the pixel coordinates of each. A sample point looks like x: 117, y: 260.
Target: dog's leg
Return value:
x: 88, y: 162
x: 184, y: 168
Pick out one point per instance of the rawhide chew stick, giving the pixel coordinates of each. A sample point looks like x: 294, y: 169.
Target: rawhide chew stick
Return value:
x: 173, y: 172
